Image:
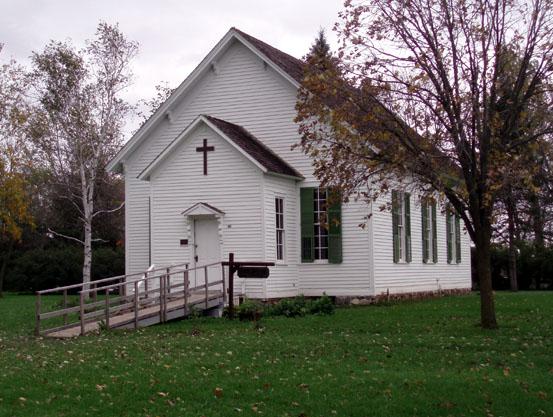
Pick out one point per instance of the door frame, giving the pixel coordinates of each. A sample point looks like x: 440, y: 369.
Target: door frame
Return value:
x: 192, y: 234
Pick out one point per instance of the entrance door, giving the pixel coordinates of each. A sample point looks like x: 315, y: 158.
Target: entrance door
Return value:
x: 206, y: 247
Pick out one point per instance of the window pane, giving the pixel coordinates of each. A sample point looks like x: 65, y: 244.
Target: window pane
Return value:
x: 319, y: 219
x: 279, y: 222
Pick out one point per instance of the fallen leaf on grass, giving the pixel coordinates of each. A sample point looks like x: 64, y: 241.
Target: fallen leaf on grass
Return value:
x: 448, y: 405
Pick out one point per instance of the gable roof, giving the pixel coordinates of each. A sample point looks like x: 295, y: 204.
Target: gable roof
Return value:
x: 291, y: 65
x: 238, y: 137
x: 286, y: 65
x: 254, y: 147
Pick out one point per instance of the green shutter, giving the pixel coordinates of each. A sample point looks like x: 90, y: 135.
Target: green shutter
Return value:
x: 334, y: 227
x: 434, y: 234
x: 307, y: 222
x: 448, y: 235
x: 457, y: 239
x: 424, y: 219
x: 395, y: 228
x: 407, y: 202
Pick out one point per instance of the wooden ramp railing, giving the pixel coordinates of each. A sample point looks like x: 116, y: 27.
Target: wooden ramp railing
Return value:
x: 131, y: 301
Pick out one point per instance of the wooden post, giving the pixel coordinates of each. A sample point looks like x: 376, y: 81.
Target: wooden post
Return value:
x: 146, y: 284
x: 65, y: 305
x: 231, y: 285
x: 186, y: 285
x: 161, y: 298
x: 82, y: 312
x: 136, y: 299
x: 168, y: 280
x: 206, y: 286
x: 224, y: 286
x: 37, y: 314
x: 107, y: 308
x: 95, y: 292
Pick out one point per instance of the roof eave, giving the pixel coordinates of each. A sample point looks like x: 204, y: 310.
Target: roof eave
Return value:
x: 297, y: 177
x: 145, y: 175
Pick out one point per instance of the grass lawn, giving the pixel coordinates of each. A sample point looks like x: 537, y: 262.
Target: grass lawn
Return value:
x: 411, y: 359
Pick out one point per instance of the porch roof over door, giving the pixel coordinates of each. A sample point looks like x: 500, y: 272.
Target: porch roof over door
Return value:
x: 202, y: 209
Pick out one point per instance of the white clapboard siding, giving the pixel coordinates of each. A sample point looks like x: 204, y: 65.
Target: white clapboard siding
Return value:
x: 353, y: 276
x: 283, y: 281
x: 243, y: 91
x: 416, y: 275
x: 233, y: 185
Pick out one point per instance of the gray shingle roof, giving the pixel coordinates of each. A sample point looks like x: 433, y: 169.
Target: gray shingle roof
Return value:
x: 292, y: 66
x: 253, y: 147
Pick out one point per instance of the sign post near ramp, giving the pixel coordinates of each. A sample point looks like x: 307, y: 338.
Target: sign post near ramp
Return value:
x: 259, y: 270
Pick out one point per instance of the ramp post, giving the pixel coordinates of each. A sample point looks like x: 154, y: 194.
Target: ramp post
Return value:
x: 206, y: 286
x: 186, y: 285
x: 231, y: 285
x: 82, y: 312
x: 37, y: 313
x: 135, y: 305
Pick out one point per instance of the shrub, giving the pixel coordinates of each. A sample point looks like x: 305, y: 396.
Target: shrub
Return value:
x: 249, y: 310
x: 322, y: 306
x: 40, y: 269
x: 289, y: 307
x: 107, y: 262
x: 534, y: 267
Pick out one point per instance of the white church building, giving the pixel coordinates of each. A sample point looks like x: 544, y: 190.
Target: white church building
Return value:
x: 213, y: 172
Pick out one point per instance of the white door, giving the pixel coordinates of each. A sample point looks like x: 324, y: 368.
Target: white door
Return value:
x: 206, y: 247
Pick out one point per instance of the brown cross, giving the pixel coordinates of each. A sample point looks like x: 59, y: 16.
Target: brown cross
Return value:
x: 205, y: 149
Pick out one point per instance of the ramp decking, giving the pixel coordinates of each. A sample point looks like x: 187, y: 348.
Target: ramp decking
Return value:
x: 133, y: 301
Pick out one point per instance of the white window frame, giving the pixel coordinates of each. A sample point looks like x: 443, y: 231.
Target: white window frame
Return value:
x: 280, y: 230
x: 318, y: 213
x: 401, y: 227
x: 430, y: 230
x: 453, y: 236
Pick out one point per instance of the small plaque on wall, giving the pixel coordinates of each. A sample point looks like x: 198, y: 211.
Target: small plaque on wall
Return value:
x: 184, y: 242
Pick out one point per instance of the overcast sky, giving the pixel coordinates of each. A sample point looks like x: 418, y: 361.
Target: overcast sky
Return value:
x: 173, y: 35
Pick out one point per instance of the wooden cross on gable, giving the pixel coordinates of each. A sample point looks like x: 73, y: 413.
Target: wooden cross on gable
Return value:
x: 205, y: 149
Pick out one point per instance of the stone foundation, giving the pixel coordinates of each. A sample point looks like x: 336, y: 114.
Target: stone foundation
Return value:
x: 396, y: 297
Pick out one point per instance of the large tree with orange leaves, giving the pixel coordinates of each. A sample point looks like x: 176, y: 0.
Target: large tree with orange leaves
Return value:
x: 418, y: 89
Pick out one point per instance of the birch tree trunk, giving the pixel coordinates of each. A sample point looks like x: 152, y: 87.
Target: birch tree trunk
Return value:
x: 87, y: 262
x: 87, y: 187
x: 78, y: 120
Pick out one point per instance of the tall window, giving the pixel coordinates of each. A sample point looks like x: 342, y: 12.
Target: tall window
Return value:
x: 320, y: 220
x: 429, y: 233
x: 401, y: 225
x: 279, y: 218
x: 321, y: 225
x: 453, y: 234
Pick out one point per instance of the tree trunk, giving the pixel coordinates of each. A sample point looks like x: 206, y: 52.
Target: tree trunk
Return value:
x: 5, y: 260
x: 87, y: 190
x: 537, y: 228
x: 537, y: 219
x: 483, y: 269
x: 513, y: 281
x: 87, y: 262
